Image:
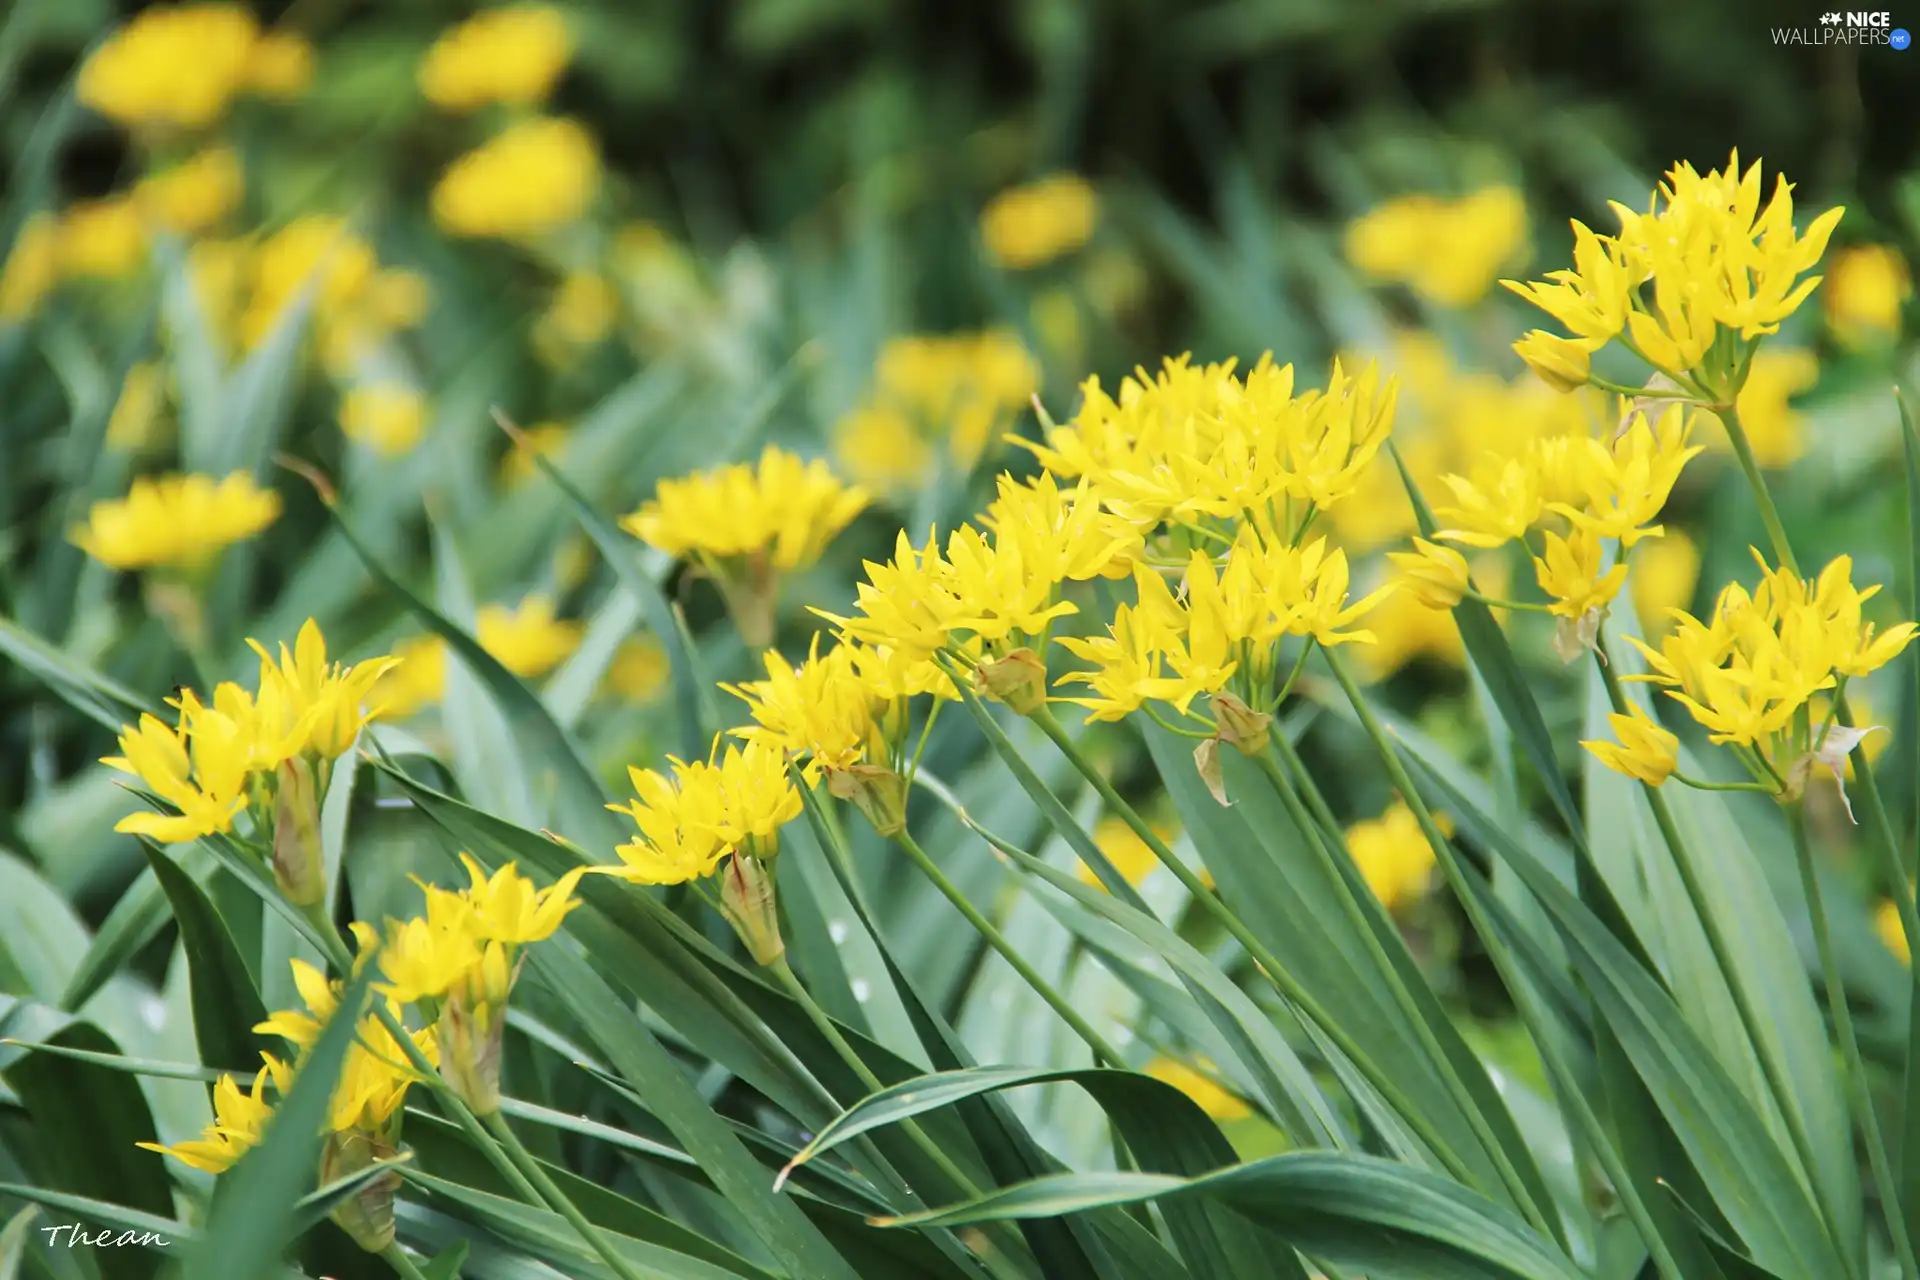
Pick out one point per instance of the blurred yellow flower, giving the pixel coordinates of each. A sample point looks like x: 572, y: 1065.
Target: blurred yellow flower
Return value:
x: 1404, y: 630
x: 1886, y: 923
x: 420, y: 679
x: 176, y: 521
x: 639, y: 670
x: 194, y: 194
x: 1867, y: 285
x: 386, y: 416
x: 512, y: 55
x: 104, y: 238
x: 1447, y: 251
x: 1201, y: 1086
x: 175, y: 67
x: 281, y: 66
x: 1772, y: 425
x: 1131, y: 856
x: 960, y: 390
x: 1029, y: 226
x: 1393, y: 854
x: 1662, y: 574
x: 33, y: 268
x: 137, y: 410
x: 528, y: 641
x: 582, y: 313
x: 546, y: 440
x: 533, y: 177
x: 356, y: 303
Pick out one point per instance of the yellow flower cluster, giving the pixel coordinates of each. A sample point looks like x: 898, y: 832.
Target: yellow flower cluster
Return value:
x: 512, y: 55
x: 1447, y: 251
x: 180, y: 67
x: 954, y: 394
x: 1393, y: 855
x: 729, y: 807
x: 193, y: 195
x: 748, y: 525
x: 533, y: 177
x: 256, y: 750
x: 527, y: 640
x: 1593, y: 490
x: 1750, y: 674
x: 1867, y: 289
x: 1029, y: 226
x: 1686, y: 286
x: 178, y: 522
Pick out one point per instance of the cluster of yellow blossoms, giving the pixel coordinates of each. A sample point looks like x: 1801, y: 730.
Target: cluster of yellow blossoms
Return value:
x: 265, y: 752
x: 512, y: 55
x: 1029, y: 226
x: 180, y: 68
x: 455, y: 965
x: 176, y: 522
x: 1750, y: 675
x: 954, y: 394
x: 1447, y: 251
x: 747, y: 526
x: 1686, y: 286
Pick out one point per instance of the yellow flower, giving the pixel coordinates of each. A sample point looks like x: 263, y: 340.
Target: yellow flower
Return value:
x: 1645, y: 750
x: 1131, y: 856
x: 677, y: 841
x: 356, y: 304
x: 32, y: 269
x: 1886, y: 923
x: 779, y: 513
x: 194, y: 194
x: 1029, y: 226
x: 1662, y: 576
x: 508, y: 909
x: 174, y: 67
x: 199, y: 767
x: 1704, y: 258
x: 281, y: 65
x: 1867, y: 288
x: 639, y: 670
x: 512, y: 55
x: 1434, y: 575
x: 1571, y: 573
x: 104, y: 238
x: 583, y: 311
x: 1622, y: 486
x: 1448, y: 251
x: 1393, y: 855
x: 1562, y: 363
x: 137, y: 411
x: 823, y: 711
x: 239, y: 1119
x: 533, y: 177
x: 386, y: 416
x: 1773, y: 426
x: 176, y: 521
x: 548, y: 440
x: 1201, y: 1086
x: 302, y: 1027
x: 528, y: 640
x: 418, y: 680
x: 328, y: 698
x: 427, y: 956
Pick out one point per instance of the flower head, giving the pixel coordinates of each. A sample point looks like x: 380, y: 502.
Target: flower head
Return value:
x: 1448, y: 251
x: 171, y: 67
x: 527, y: 639
x: 176, y: 521
x: 1644, y: 751
x: 1029, y: 226
x: 1394, y: 856
x: 780, y: 510
x: 1867, y: 289
x: 388, y: 417
x: 512, y: 55
x: 534, y: 177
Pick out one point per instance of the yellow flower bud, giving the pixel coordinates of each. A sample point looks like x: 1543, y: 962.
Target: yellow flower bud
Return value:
x: 1434, y: 575
x: 1645, y: 750
x: 1562, y: 363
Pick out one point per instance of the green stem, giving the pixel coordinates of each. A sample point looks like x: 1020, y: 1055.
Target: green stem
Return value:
x: 1762, y: 499
x: 1750, y: 1018
x: 517, y: 1152
x: 1857, y: 1090
x: 1276, y: 973
x: 1102, y: 1051
x: 1701, y: 784
x: 1402, y: 994
x: 402, y: 1265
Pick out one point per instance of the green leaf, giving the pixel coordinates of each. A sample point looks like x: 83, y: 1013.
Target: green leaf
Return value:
x: 581, y: 801
x: 645, y: 1064
x: 446, y: 1265
x: 136, y: 919
x: 255, y: 1220
x: 226, y: 1007
x: 164, y: 1231
x: 105, y: 702
x: 1745, y: 1171
x: 152, y: 1067
x: 1909, y: 1139
x: 1392, y: 1221
x: 1163, y: 1128
x: 13, y: 1241
x: 92, y: 1118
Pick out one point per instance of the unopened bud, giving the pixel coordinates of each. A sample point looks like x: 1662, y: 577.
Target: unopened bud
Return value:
x: 747, y: 900
x: 299, y: 866
x: 877, y: 792
x: 469, y: 1032
x: 367, y: 1214
x: 1241, y: 726
x: 1019, y: 680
